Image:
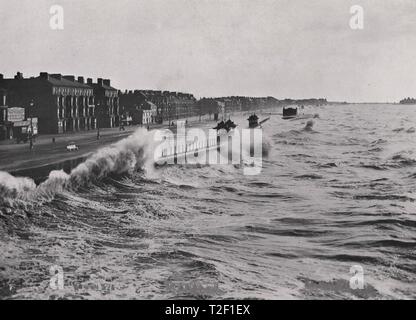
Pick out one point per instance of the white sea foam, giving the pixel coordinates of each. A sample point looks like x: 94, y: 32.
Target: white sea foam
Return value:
x: 129, y: 154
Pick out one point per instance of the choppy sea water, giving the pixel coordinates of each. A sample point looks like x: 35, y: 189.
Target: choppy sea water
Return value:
x: 337, y: 196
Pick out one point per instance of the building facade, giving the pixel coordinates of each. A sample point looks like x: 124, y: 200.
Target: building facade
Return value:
x: 185, y: 105
x: 239, y: 103
x: 131, y: 103
x: 106, y: 103
x: 211, y: 106
x: 159, y: 99
x: 171, y: 106
x: 60, y: 103
x: 149, y: 112
x: 4, y: 124
x: 136, y: 105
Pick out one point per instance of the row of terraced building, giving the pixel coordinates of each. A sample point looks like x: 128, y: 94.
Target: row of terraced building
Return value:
x: 65, y: 103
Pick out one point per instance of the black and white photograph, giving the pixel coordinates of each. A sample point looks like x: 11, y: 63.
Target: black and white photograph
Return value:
x: 207, y: 150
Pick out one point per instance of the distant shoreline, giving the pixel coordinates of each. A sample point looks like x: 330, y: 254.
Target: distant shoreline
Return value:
x: 383, y: 103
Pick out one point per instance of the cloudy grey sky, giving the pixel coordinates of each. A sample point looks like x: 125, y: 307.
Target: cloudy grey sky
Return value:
x: 284, y: 48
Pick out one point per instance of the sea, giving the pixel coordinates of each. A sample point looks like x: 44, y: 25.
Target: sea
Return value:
x: 330, y: 215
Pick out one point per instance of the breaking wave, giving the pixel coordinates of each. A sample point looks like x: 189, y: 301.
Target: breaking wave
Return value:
x: 127, y: 155
x: 136, y: 152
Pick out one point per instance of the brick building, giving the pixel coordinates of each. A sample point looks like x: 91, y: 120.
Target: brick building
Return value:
x: 61, y: 103
x: 171, y: 105
x: 211, y: 106
x: 185, y: 104
x: 106, y: 103
x: 135, y: 104
x: 159, y: 99
x: 238, y: 103
x: 149, y: 112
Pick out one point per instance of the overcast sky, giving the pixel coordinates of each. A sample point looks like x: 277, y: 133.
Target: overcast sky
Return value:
x: 284, y: 48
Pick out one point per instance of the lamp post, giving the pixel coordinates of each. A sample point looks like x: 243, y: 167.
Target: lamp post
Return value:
x: 168, y: 112
x: 31, y: 104
x: 122, y: 116
x: 97, y: 113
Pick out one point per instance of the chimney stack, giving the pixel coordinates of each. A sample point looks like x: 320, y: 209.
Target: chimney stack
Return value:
x: 107, y: 82
x: 81, y: 80
x: 1, y: 76
x: 100, y: 82
x: 57, y: 76
x: 44, y: 75
x: 18, y: 76
x: 70, y: 78
x: 89, y: 81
